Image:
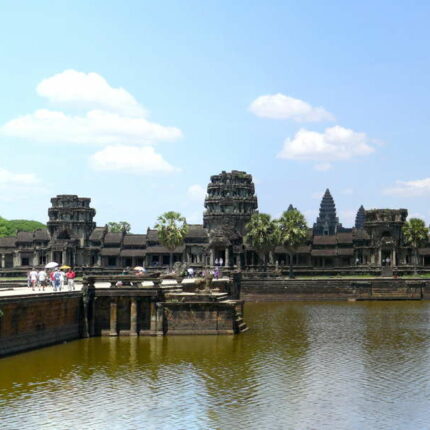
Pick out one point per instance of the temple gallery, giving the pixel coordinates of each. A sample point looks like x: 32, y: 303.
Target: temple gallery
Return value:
x: 72, y: 237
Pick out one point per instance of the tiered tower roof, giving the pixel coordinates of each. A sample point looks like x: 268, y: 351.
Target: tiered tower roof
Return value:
x: 327, y: 223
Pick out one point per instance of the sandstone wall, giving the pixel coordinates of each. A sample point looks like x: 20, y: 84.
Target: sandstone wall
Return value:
x: 39, y: 320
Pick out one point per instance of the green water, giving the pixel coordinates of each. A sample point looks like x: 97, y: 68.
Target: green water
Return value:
x: 301, y: 366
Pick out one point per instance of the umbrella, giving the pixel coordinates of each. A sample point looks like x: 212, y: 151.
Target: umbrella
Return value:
x: 139, y: 268
x: 64, y: 266
x: 51, y: 265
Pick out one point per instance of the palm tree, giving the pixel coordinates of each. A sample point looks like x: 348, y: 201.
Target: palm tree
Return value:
x: 262, y: 234
x: 171, y: 228
x: 415, y: 233
x: 293, y: 231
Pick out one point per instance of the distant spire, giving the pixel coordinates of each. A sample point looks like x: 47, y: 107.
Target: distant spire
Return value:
x: 327, y: 222
x: 360, y: 218
x: 291, y: 208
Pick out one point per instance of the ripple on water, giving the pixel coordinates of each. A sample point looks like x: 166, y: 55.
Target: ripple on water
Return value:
x: 301, y: 366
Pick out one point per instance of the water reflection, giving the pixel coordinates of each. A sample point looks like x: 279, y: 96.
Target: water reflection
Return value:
x: 302, y: 365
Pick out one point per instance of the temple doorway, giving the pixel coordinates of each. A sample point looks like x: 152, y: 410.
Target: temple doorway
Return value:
x: 386, y: 257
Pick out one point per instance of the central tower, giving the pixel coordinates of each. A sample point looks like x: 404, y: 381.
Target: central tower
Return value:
x: 229, y: 204
x: 327, y: 222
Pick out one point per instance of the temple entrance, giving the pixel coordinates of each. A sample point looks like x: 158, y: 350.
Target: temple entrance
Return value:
x: 219, y: 255
x: 386, y: 257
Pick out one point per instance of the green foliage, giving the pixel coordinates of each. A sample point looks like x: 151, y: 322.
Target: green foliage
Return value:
x: 415, y: 232
x: 172, y: 228
x: 118, y: 227
x: 11, y: 227
x: 262, y: 233
x: 293, y: 229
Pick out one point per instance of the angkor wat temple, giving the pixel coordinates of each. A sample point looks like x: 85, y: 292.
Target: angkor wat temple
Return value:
x: 72, y: 237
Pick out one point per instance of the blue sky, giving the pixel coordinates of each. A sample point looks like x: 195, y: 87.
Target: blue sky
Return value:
x: 135, y: 104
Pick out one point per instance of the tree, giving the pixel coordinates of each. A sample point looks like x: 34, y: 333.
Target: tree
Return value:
x: 262, y: 234
x: 171, y: 228
x: 118, y: 227
x: 293, y: 231
x: 11, y: 227
x: 415, y: 233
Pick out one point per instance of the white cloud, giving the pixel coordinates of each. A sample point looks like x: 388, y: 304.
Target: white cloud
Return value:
x: 131, y: 159
x: 334, y: 144
x: 8, y: 178
x: 112, y: 115
x: 419, y: 187
x: 96, y: 127
x: 196, y: 193
x: 88, y: 90
x: 280, y: 106
x: 19, y: 186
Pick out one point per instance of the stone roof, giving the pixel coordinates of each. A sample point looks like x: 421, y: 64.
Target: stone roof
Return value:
x: 162, y: 250
x: 134, y: 240
x: 360, y: 234
x: 324, y: 240
x: 323, y: 253
x: 304, y: 249
x: 113, y: 238
x: 109, y: 252
x: 97, y: 233
x: 133, y: 252
x: 196, y: 231
x: 7, y: 242
x: 24, y: 236
x: 344, y: 237
x: 41, y: 234
x: 152, y: 235
x: 345, y: 251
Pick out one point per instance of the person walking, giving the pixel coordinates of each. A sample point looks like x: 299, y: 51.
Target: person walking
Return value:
x: 71, y: 275
x: 33, y: 278
x: 42, y: 280
x: 57, y: 280
x: 62, y: 279
x: 52, y: 279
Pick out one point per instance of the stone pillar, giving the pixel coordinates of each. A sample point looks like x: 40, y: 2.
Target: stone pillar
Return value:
x: 393, y: 258
x: 227, y: 257
x: 211, y: 257
x: 113, y: 317
x: 160, y: 319
x: 3, y: 261
x: 153, y: 318
x: 238, y: 261
x: 64, y: 257
x: 379, y: 257
x: 133, y: 316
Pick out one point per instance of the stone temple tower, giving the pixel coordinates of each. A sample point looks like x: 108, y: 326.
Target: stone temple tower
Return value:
x: 229, y: 204
x: 360, y: 218
x: 327, y: 223
x: 70, y: 226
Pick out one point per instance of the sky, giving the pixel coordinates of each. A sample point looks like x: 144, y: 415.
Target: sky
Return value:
x: 135, y: 104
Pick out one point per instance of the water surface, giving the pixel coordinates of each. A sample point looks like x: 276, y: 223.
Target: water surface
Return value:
x: 301, y: 366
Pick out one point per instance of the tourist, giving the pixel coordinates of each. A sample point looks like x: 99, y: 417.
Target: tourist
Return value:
x: 33, y: 278
x: 42, y: 280
x: 57, y: 280
x: 216, y: 262
x: 52, y: 279
x: 221, y: 261
x: 62, y: 279
x: 190, y: 271
x: 71, y: 275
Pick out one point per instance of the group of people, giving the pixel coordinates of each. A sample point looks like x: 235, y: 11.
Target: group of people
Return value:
x: 57, y: 278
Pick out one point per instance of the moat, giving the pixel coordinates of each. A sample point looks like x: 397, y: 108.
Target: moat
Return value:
x: 361, y: 365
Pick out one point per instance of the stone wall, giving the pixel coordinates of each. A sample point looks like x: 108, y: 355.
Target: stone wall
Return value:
x: 334, y: 289
x: 199, y: 318
x: 38, y: 320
